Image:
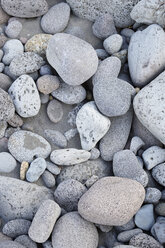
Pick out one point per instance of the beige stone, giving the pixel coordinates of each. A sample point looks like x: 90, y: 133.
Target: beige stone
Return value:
x: 23, y: 169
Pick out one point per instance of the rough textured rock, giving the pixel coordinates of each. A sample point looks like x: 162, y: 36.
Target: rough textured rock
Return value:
x: 7, y: 162
x: 158, y: 173
x: 77, y: 60
x: 14, y: 228
x: 48, y: 179
x: 7, y: 108
x: 126, y: 198
x: 143, y: 240
x: 146, y: 56
x: 72, y: 231
x: 153, y: 195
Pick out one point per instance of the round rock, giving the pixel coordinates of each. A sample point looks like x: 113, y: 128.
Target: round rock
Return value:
x: 113, y: 43
x: 153, y: 195
x: 48, y: 83
x: 13, y: 29
x: 55, y: 111
x: 36, y: 169
x: 17, y: 227
x: 48, y: 179
x: 158, y: 173
x: 7, y: 162
x: 7, y: 108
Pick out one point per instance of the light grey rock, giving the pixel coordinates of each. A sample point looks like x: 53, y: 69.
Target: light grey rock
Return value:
x: 20, y: 199
x: 116, y: 137
x: 68, y: 193
x: 104, y: 26
x: 144, y: 240
x: 91, y: 9
x: 36, y: 169
x: 25, y: 96
x: 11, y: 244
x: 158, y: 173
x: 148, y: 12
x: 149, y: 107
x: 47, y: 84
x: 158, y: 229
x: 91, y: 181
x: 71, y: 119
x: 145, y: 55
x: 44, y: 221
x: 25, y: 9
x: 128, y: 226
x: 14, y: 228
x: 77, y: 60
x: 70, y: 156
x: 125, y: 164
x: 3, y: 127
x: 55, y: 111
x: 72, y: 231
x: 56, y: 137
x: 25, y: 145
x: 144, y: 218
x: 44, y: 98
x: 153, y: 156
x: 70, y: 133
x: 11, y: 49
x: 127, y: 235
x: 24, y: 63
x: 48, y: 179
x: 91, y: 125
x: 126, y: 198
x: 95, y: 153
x: 160, y: 208
x: 56, y: 19
x: 5, y: 81
x: 113, y: 43
x: 113, y: 96
x: 69, y: 94
x: 136, y: 144
x: 26, y: 241
x: 127, y: 32
x: 7, y: 108
x: 2, y: 66
x: 15, y: 121
x: 53, y: 168
x: 7, y: 162
x: 13, y: 29
x: 109, y: 67
x: 102, y: 54
x: 153, y: 195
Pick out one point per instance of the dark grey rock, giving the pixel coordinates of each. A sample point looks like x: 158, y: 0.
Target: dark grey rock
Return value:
x: 14, y: 228
x: 143, y: 240
x: 153, y: 195
x: 48, y: 179
x: 26, y: 241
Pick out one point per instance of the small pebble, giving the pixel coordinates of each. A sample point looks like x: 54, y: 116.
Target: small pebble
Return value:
x: 45, y: 70
x: 44, y: 98
x: 7, y: 162
x: 15, y: 121
x: 23, y: 169
x: 158, y: 230
x: 127, y: 235
x: 136, y: 144
x: 158, y: 173
x: 17, y: 227
x: 48, y: 83
x: 89, y: 182
x: 47, y: 244
x: 56, y: 137
x: 3, y: 127
x: 102, y: 54
x: 153, y: 156
x: 160, y: 208
x: 48, y: 179
x: 53, y: 168
x: 113, y: 43
x: 70, y: 133
x: 2, y: 66
x: 55, y: 111
x: 128, y: 226
x: 26, y: 241
x: 153, y: 195
x: 95, y: 153
x: 36, y: 169
x: 13, y: 29
x: 144, y: 240
x: 5, y: 81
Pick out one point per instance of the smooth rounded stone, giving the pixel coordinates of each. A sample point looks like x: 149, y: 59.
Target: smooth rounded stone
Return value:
x: 7, y: 108
x: 127, y: 235
x: 11, y: 49
x: 116, y: 137
x: 145, y: 54
x: 149, y: 12
x: 14, y: 228
x: 127, y: 32
x: 47, y: 244
x: 25, y: 9
x: 70, y: 156
x: 153, y: 156
x: 136, y: 144
x: 126, y: 227
x: 15, y: 121
x: 5, y: 81
x: 91, y: 125
x: 72, y: 231
x: 25, y: 145
x: 113, y: 96
x: 83, y: 171
x: 158, y: 230
x: 95, y: 153
x: 126, y: 198
x: 13, y: 29
x: 3, y: 127
x: 113, y: 43
x: 149, y: 107
x: 25, y: 96
x: 53, y: 168
x: 153, y: 195
x: 28, y: 62
x: 38, y: 44
x: 68, y: 193
x: 56, y: 19
x: 48, y: 179
x: 144, y: 218
x: 26, y: 241
x: 144, y: 240
x: 9, y: 74
x: 109, y: 67
x: 48, y: 83
x: 7, y: 162
x: 55, y: 111
x: 158, y: 173
x: 36, y: 169
x: 44, y: 221
x: 44, y: 98
x: 45, y: 70
x: 104, y: 26
x: 125, y: 164
x: 160, y: 208
x: 91, y: 9
x: 74, y: 59
x: 56, y: 138
x: 102, y: 54
x: 69, y: 94
x: 11, y: 244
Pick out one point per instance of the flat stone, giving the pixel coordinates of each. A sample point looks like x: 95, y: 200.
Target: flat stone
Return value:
x: 70, y: 156
x: 113, y: 43
x: 56, y: 138
x: 48, y: 83
x: 26, y: 241
x: 144, y: 218
x: 11, y: 244
x: 13, y: 29
x: 72, y: 231
x: 69, y: 94
x: 143, y: 240
x: 126, y: 197
x: 136, y: 144
x: 153, y: 195
x: 36, y: 169
x: 146, y: 56
x: 25, y: 145
x: 44, y: 221
x: 56, y: 19
x: 25, y: 96
x: 7, y: 108
x: 28, y: 62
x: 27, y: 9
x: 14, y: 228
x: 77, y: 60
x: 20, y: 199
x: 127, y: 235
x: 55, y: 111
x: 48, y: 179
x: 7, y: 162
x: 91, y: 125
x: 153, y: 156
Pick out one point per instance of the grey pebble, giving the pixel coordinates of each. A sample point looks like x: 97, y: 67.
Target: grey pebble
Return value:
x: 26, y: 241
x: 153, y: 195
x: 102, y: 54
x: 53, y: 168
x: 36, y: 169
x: 158, y: 173
x: 44, y: 98
x: 1, y: 54
x: 160, y: 208
x: 47, y: 84
x: 153, y: 156
x: 70, y: 133
x: 45, y: 70
x: 144, y: 240
x: 4, y: 237
x: 56, y: 137
x: 7, y: 108
x: 11, y: 244
x: 54, y: 111
x: 127, y: 235
x: 13, y: 29
x: 128, y: 226
x: 15, y: 121
x: 113, y: 43
x: 48, y: 179
x: 158, y: 229
x: 127, y: 32
x: 136, y: 144
x: 5, y: 81
x: 95, y: 153
x: 14, y: 228
x: 2, y: 66
x: 7, y: 162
